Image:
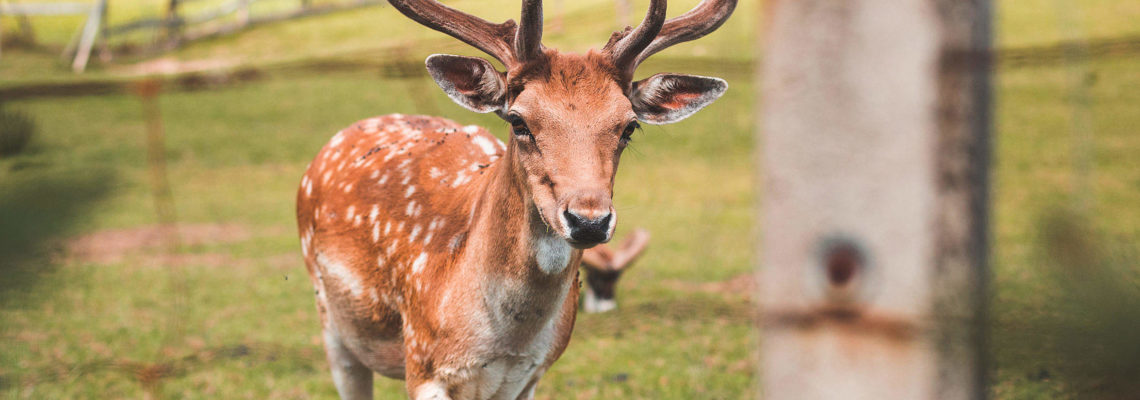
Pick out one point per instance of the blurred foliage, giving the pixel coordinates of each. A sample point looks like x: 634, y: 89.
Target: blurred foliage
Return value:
x: 36, y: 213
x: 16, y: 131
x: 1084, y: 334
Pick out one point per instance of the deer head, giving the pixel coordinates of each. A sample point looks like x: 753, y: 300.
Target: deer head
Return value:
x: 571, y: 115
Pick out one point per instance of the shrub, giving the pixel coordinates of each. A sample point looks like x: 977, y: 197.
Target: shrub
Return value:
x: 16, y: 130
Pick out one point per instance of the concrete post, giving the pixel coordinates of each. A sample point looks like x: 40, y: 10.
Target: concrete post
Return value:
x: 875, y: 142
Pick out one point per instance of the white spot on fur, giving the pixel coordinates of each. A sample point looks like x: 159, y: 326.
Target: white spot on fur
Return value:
x: 435, y: 173
x: 470, y: 129
x: 383, y: 179
x: 375, y: 212
x: 350, y: 213
x: 305, y: 240
x: 342, y: 274
x: 411, y: 208
x: 337, y: 139
x: 415, y: 232
x: 485, y: 144
x: 460, y: 178
x: 376, y: 232
x: 454, y: 243
x: 418, y: 265
x: 411, y: 190
x: 348, y: 188
x: 387, y: 228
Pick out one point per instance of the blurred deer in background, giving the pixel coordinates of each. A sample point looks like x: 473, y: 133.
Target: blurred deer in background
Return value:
x: 447, y: 258
x: 604, y: 267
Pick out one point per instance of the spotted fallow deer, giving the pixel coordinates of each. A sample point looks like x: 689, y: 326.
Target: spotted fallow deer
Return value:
x: 446, y: 258
x: 604, y: 266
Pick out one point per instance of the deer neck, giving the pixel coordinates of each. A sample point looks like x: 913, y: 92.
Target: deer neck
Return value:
x: 518, y: 244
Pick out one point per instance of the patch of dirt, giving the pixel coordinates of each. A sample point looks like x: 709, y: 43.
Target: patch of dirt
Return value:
x: 172, y: 66
x: 116, y: 245
x: 742, y: 285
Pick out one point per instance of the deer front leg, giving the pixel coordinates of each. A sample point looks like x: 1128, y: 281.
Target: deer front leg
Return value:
x: 353, y: 380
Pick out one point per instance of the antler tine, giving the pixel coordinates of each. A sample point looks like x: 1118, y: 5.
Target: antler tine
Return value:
x: 703, y: 19
x: 528, y: 39
x: 624, y: 51
x: 491, y: 38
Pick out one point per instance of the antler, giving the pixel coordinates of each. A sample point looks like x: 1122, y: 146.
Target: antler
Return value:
x: 528, y: 40
x: 628, y: 49
x: 507, y: 42
x: 625, y: 46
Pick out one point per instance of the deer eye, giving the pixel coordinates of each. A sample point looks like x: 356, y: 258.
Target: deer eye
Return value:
x: 627, y: 135
x: 518, y: 126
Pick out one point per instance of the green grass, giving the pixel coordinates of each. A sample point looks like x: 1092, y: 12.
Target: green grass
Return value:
x: 1037, y: 170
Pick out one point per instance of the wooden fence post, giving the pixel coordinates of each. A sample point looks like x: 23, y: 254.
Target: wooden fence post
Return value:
x: 87, y: 37
x: 243, y: 12
x: 173, y: 23
x: 876, y: 149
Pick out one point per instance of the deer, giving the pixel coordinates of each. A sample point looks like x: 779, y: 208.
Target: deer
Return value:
x: 604, y: 265
x: 445, y: 257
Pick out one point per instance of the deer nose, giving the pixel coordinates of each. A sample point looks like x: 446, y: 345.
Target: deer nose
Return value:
x: 588, y: 227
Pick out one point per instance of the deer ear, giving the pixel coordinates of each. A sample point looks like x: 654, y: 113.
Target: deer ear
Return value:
x: 471, y: 82
x: 668, y: 98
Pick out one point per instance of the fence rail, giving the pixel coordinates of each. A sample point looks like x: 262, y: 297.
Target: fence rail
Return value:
x: 177, y: 28
x: 398, y: 68
x: 171, y: 30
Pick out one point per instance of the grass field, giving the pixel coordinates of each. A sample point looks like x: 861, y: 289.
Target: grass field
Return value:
x: 93, y: 306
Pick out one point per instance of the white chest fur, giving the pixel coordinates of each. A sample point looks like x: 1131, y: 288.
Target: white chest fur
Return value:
x: 552, y: 253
